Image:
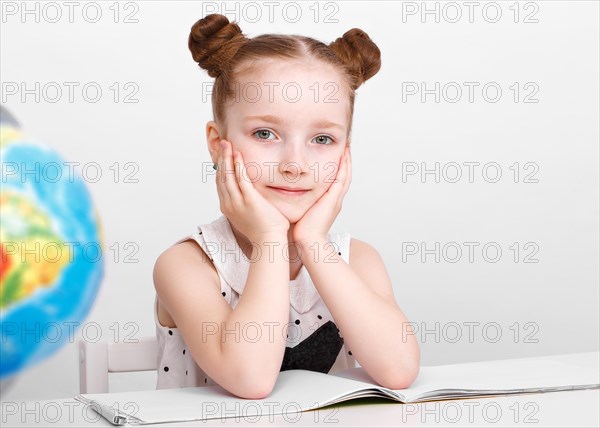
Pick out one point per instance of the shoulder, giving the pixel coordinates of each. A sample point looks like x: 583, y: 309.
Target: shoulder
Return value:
x: 188, y: 249
x: 183, y: 259
x: 360, y: 248
x: 363, y: 254
x: 368, y: 264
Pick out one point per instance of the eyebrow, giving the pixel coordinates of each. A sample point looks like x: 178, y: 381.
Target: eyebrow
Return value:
x: 322, y: 123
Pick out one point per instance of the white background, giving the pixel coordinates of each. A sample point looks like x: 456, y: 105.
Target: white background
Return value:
x: 552, y: 304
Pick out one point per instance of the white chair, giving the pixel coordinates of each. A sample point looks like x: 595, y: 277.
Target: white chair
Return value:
x: 97, y: 360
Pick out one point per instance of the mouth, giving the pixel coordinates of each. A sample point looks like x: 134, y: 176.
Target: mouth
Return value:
x: 289, y: 191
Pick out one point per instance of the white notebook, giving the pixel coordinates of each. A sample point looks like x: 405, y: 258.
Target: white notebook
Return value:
x: 302, y: 390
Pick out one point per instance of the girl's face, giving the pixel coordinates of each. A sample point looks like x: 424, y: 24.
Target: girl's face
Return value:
x: 290, y: 123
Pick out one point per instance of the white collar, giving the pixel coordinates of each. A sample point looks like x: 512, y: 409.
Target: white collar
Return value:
x: 232, y: 264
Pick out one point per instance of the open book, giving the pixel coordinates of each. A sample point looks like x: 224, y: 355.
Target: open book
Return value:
x: 302, y: 390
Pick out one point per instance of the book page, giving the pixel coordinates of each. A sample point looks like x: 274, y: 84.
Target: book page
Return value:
x: 537, y: 373
x: 300, y: 390
x: 295, y: 391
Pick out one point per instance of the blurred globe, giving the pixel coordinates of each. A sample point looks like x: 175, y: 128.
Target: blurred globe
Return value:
x: 51, y: 263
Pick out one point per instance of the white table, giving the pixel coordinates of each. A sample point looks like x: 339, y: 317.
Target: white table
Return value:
x: 569, y: 408
x: 565, y: 408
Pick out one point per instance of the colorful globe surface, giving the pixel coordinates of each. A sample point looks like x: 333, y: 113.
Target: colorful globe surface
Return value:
x: 51, y: 263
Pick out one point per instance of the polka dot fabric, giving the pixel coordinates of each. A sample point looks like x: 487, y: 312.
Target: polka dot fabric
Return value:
x: 313, y: 341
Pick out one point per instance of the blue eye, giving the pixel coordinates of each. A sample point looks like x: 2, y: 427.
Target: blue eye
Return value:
x: 264, y: 132
x: 324, y: 136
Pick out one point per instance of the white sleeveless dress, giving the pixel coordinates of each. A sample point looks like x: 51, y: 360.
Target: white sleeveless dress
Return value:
x: 313, y: 340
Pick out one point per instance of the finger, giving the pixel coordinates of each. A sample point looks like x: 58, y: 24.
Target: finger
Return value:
x: 219, y: 179
x: 244, y: 182
x: 348, y: 170
x: 222, y: 165
x: 343, y: 178
x: 341, y: 174
x: 336, y: 178
x: 231, y: 182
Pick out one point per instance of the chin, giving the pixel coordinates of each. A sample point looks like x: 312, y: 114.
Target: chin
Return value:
x: 293, y: 218
x: 293, y: 215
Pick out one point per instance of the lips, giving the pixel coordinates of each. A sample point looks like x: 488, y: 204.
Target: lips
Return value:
x: 290, y: 190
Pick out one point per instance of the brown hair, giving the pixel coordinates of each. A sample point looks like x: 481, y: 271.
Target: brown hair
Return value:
x: 220, y: 47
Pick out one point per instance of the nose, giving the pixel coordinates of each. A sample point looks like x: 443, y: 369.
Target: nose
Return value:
x: 293, y: 162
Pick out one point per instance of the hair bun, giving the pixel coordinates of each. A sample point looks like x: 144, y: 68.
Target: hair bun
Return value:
x: 214, y: 41
x: 359, y: 53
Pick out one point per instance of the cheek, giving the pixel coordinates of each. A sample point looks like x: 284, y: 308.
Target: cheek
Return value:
x: 262, y: 167
x: 259, y: 168
x: 327, y: 171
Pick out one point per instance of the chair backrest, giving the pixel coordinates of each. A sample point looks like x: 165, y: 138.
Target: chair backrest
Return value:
x: 97, y: 360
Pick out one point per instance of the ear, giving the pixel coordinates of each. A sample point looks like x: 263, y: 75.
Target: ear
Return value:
x: 213, y: 138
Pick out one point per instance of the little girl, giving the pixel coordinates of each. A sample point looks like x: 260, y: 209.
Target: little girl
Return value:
x: 267, y: 287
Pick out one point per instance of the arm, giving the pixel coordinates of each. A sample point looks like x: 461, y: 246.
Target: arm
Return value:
x: 368, y: 316
x: 187, y: 285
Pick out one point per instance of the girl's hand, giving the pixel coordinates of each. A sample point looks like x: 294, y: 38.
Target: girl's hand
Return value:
x: 317, y: 221
x: 241, y: 203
